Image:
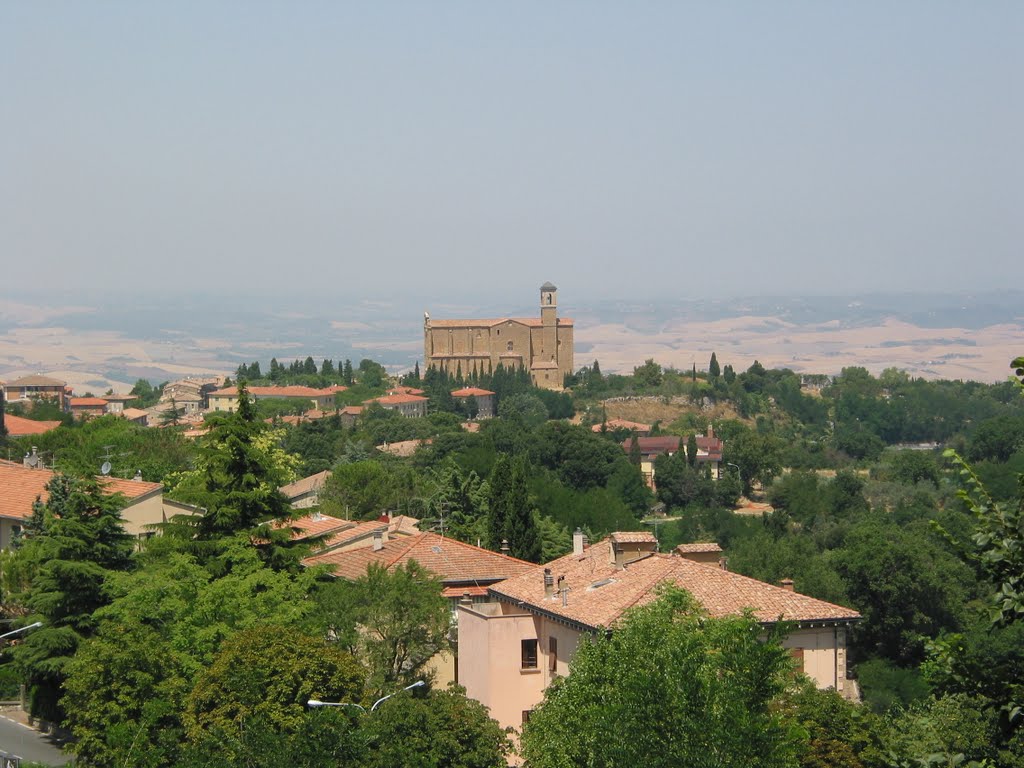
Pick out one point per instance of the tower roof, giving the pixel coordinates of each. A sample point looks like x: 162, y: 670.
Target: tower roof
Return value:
x: 548, y: 287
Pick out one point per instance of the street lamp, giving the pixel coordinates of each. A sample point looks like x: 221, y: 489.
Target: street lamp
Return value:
x: 377, y: 703
x: 21, y: 629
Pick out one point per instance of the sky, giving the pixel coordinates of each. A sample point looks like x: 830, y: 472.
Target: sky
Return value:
x: 433, y: 151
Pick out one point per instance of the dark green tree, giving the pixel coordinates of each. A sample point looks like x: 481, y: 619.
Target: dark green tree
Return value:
x: 691, y: 450
x: 703, y: 696
x: 510, y: 517
x: 81, y: 544
x: 713, y: 369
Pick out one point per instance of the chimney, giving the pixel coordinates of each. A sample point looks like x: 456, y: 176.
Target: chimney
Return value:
x: 723, y: 563
x: 563, y: 590
x: 31, y: 460
x: 549, y: 583
x: 786, y: 584
x: 138, y: 476
x: 711, y: 430
x: 504, y: 547
x: 378, y: 540
x: 466, y: 599
x: 578, y: 542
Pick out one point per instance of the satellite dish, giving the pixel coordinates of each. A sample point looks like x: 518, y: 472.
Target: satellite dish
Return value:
x: 105, y: 469
x: 31, y: 459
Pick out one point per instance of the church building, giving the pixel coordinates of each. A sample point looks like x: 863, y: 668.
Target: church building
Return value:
x: 543, y: 345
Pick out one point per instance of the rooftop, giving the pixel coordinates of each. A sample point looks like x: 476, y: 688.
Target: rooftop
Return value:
x: 18, y: 426
x: 451, y: 560
x: 36, y: 380
x: 533, y: 322
x: 599, y: 593
x: 22, y: 485
x: 305, y: 485
x: 472, y: 392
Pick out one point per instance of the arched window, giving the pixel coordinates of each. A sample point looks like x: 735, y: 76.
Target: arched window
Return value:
x: 508, y: 346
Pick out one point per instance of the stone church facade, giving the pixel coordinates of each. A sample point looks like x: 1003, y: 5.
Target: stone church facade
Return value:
x: 542, y: 345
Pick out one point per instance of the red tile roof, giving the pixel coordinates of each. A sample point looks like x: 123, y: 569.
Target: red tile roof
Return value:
x: 654, y: 445
x: 622, y: 424
x: 600, y: 593
x: 471, y: 392
x: 452, y: 561
x: 404, y: 391
x: 313, y: 525
x: 18, y: 426
x: 305, y: 484
x: 533, y: 322
x: 396, y: 399
x: 399, y: 524
x: 291, y: 391
x: 21, y: 486
x: 698, y: 547
x: 87, y: 402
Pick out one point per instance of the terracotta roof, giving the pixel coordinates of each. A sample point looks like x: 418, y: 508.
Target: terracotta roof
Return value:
x: 451, y: 560
x: 18, y: 426
x: 654, y: 445
x: 403, y: 448
x: 352, y: 410
x: 404, y: 391
x: 396, y: 399
x: 119, y: 398
x: 291, y: 391
x: 622, y: 424
x: 35, y: 380
x: 634, y: 537
x: 305, y: 485
x: 399, y: 524
x: 87, y: 402
x: 599, y: 593
x: 22, y: 485
x: 471, y: 392
x: 134, y: 413
x: 533, y: 322
x: 696, y: 547
x: 313, y: 525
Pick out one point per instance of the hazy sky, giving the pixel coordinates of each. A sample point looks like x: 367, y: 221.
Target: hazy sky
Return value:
x: 429, y: 149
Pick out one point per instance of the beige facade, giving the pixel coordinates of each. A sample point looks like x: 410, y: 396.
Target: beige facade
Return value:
x: 543, y: 345
x: 512, y: 648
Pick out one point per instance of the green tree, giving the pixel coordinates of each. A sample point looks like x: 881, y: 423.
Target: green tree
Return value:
x: 127, y: 685
x: 713, y: 369
x: 171, y: 417
x: 510, y: 517
x: 239, y: 469
x: 372, y: 374
x: 649, y: 375
x: 691, y: 450
x: 525, y: 409
x: 702, y: 696
x: 363, y: 490
x: 442, y: 729
x: 267, y: 674
x: 394, y: 621
x: 81, y: 544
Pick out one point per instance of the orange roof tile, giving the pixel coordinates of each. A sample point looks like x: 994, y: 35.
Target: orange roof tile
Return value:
x: 396, y: 399
x: 21, y: 486
x: 472, y: 392
x: 87, y: 402
x: 305, y: 484
x: 696, y: 547
x: 290, y: 391
x: 313, y: 525
x: 404, y: 391
x: 17, y: 426
x: 600, y: 593
x: 451, y: 560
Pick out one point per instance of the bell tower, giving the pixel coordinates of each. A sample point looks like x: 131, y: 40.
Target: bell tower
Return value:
x: 548, y: 305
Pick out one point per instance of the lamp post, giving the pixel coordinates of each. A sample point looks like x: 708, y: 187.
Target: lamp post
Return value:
x: 377, y: 703
x: 21, y: 629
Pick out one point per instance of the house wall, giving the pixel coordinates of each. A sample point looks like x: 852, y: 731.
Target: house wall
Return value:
x: 8, y: 529
x: 824, y: 655
x: 146, y: 511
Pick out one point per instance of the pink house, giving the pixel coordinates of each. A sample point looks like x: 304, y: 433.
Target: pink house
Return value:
x: 510, y: 649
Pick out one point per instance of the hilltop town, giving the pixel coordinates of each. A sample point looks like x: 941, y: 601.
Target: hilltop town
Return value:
x: 517, y: 506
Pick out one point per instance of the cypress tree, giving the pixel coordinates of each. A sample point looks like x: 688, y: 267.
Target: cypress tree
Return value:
x: 713, y: 369
x: 691, y: 450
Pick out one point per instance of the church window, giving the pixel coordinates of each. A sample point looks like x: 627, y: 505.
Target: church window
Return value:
x: 509, y: 346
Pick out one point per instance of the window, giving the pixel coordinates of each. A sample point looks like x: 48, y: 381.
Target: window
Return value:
x: 526, y: 715
x: 552, y: 654
x: 529, y: 652
x: 508, y: 346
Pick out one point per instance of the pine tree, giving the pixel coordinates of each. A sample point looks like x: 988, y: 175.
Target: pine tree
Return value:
x: 510, y: 517
x: 327, y: 368
x: 693, y: 374
x: 347, y: 373
x: 713, y: 369
x: 635, y: 456
x: 81, y: 543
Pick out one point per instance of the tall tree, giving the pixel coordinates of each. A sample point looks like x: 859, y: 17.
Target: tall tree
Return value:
x: 81, y: 544
x: 703, y: 695
x: 511, y: 517
x: 691, y: 450
x: 713, y: 369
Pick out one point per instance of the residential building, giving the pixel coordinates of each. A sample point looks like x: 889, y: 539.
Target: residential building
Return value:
x: 305, y: 493
x: 484, y: 400
x: 409, y: 406
x: 87, y: 407
x: 513, y: 646
x: 117, y: 403
x: 227, y: 399
x: 542, y: 345
x: 23, y: 483
x: 709, y: 452
x: 349, y: 415
x: 465, y: 572
x: 27, y: 388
